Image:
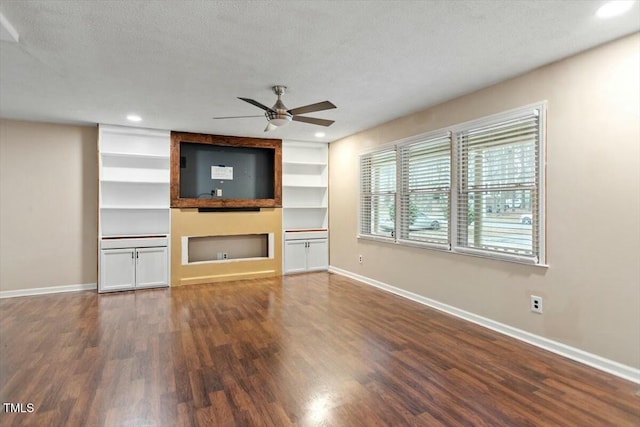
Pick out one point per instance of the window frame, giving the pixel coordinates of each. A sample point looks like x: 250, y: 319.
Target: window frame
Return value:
x: 404, y: 191
x: 362, y: 194
x: 454, y: 193
x: 538, y: 215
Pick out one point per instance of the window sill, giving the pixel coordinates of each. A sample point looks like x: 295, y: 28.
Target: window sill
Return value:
x: 514, y: 259
x: 376, y: 238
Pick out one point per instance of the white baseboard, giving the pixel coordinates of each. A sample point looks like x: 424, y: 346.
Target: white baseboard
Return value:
x: 48, y: 290
x: 593, y: 360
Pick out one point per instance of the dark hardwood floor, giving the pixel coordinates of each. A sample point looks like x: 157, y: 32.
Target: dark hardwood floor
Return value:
x: 308, y: 350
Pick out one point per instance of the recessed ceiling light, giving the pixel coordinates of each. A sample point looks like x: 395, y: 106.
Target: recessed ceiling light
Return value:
x: 614, y: 8
x: 134, y: 118
x: 320, y: 134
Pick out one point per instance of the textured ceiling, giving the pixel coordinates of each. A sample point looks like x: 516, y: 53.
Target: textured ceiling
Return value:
x: 180, y: 63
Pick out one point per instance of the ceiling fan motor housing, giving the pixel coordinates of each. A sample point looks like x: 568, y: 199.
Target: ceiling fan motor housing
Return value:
x: 279, y: 115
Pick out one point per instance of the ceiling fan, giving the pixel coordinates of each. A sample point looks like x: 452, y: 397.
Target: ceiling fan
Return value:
x: 279, y: 115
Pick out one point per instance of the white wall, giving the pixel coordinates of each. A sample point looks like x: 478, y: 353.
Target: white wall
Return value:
x: 591, y: 289
x: 48, y: 205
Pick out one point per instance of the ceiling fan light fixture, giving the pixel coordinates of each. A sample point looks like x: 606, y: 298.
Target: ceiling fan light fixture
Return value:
x: 278, y: 119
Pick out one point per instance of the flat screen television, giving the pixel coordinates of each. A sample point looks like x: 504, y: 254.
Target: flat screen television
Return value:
x: 213, y: 171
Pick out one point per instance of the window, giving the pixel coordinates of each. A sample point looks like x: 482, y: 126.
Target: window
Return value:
x: 425, y: 181
x: 378, y: 193
x: 488, y: 202
x: 498, y: 200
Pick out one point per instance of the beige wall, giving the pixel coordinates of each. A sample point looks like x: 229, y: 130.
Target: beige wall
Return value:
x: 48, y: 202
x: 591, y: 289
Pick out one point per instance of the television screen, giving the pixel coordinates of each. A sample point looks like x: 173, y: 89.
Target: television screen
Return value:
x: 226, y: 172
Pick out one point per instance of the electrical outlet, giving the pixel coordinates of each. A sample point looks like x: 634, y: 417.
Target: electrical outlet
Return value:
x: 536, y: 304
x: 360, y: 259
x: 225, y: 255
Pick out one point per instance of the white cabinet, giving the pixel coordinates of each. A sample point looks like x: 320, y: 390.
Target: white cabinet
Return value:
x: 305, y: 251
x: 151, y: 267
x: 295, y: 256
x: 317, y: 254
x: 117, y: 270
x: 123, y: 266
x: 133, y: 199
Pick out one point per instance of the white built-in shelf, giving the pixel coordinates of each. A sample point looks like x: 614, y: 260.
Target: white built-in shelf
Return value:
x: 150, y: 175
x: 135, y: 180
x: 134, y: 142
x: 306, y: 230
x: 292, y: 231
x: 134, y: 161
x: 130, y: 235
x: 305, y: 201
x: 304, y: 152
x: 304, y: 207
x: 133, y: 207
x: 309, y: 164
x: 304, y: 219
x: 134, y: 221
x: 304, y: 185
x: 303, y: 168
x: 134, y: 183
x: 134, y: 155
x: 126, y: 193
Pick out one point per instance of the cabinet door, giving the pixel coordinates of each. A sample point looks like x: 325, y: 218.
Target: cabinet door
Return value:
x: 295, y: 256
x: 318, y: 254
x: 117, y: 270
x: 151, y: 267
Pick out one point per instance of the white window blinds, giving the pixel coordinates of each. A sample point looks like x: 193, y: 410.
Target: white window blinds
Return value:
x: 475, y: 188
x: 498, y: 187
x: 377, y: 193
x: 425, y: 181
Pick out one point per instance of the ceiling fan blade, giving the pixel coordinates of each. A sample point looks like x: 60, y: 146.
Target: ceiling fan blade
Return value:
x: 319, y: 106
x: 256, y: 103
x: 270, y: 127
x: 235, y: 117
x: 313, y: 120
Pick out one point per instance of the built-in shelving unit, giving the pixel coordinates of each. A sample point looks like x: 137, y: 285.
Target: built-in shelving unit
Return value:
x: 305, y: 206
x: 134, y: 213
x: 304, y: 185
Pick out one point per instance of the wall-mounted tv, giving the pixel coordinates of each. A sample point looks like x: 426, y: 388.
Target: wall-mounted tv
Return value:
x: 214, y: 171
